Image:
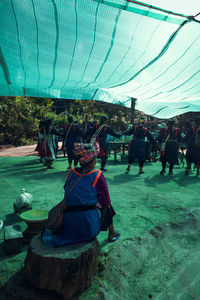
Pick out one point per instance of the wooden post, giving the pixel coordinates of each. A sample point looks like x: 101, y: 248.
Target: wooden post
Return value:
x: 133, y: 102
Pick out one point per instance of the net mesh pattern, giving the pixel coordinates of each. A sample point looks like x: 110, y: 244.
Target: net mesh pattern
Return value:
x: 103, y: 50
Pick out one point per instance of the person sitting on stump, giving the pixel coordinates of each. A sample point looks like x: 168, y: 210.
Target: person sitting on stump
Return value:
x: 88, y: 204
x: 100, y: 131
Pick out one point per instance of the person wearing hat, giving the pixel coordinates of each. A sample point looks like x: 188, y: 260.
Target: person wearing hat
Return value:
x: 88, y: 208
x: 46, y: 147
x: 170, y: 137
x: 100, y: 131
x: 72, y: 134
x: 137, y: 146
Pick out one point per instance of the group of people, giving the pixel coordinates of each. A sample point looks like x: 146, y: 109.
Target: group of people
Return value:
x: 170, y: 140
x: 71, y: 134
x: 88, y: 206
x: 167, y: 139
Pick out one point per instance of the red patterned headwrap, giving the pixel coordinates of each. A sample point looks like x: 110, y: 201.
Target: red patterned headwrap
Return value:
x: 85, y: 152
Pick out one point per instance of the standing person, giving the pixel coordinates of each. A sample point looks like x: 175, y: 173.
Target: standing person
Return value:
x: 128, y: 137
x: 192, y: 140
x: 170, y: 138
x: 108, y: 140
x: 101, y: 131
x: 46, y: 148
x: 183, y: 129
x: 148, y: 147
x: 88, y: 208
x: 161, y: 127
x: 154, y: 146
x: 92, y: 127
x: 72, y: 134
x: 56, y: 138
x: 137, y: 147
x: 40, y: 137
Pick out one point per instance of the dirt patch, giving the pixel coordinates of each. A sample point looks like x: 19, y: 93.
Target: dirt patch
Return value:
x: 11, y: 151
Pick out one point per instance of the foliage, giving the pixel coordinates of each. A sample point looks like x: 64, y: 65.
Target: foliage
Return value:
x: 89, y: 110
x: 20, y: 116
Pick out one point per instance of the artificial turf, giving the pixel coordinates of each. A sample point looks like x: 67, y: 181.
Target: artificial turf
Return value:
x: 157, y: 255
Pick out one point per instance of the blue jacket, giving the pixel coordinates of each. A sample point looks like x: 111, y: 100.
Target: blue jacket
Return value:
x: 79, y: 226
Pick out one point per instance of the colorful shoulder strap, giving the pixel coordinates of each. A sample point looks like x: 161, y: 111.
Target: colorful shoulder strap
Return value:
x: 97, y: 178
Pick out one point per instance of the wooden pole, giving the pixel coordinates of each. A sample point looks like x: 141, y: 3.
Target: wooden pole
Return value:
x: 133, y: 102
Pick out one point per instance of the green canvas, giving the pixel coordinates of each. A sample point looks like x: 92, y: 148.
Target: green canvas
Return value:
x: 110, y: 50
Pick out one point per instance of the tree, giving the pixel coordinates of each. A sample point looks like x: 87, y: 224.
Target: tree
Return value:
x: 82, y: 110
x: 20, y: 116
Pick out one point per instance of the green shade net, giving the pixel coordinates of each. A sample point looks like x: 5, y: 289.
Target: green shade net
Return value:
x: 103, y: 50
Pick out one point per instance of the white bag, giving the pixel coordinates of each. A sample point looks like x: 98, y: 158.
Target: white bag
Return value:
x: 24, y: 199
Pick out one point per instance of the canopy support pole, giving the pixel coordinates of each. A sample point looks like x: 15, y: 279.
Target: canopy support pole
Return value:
x: 133, y: 102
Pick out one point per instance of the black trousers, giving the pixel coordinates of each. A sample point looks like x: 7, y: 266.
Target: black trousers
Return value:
x: 107, y: 218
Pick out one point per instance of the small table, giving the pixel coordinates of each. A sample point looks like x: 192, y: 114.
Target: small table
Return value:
x: 35, y: 220
x: 115, y: 146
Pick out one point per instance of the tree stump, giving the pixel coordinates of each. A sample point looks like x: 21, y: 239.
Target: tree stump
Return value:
x: 68, y: 270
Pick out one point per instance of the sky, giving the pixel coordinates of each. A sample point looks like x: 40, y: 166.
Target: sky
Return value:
x: 188, y: 7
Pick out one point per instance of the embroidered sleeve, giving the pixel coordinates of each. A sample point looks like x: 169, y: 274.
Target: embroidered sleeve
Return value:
x: 103, y: 193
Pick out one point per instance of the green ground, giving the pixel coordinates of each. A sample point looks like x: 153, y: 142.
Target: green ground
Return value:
x: 157, y: 255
